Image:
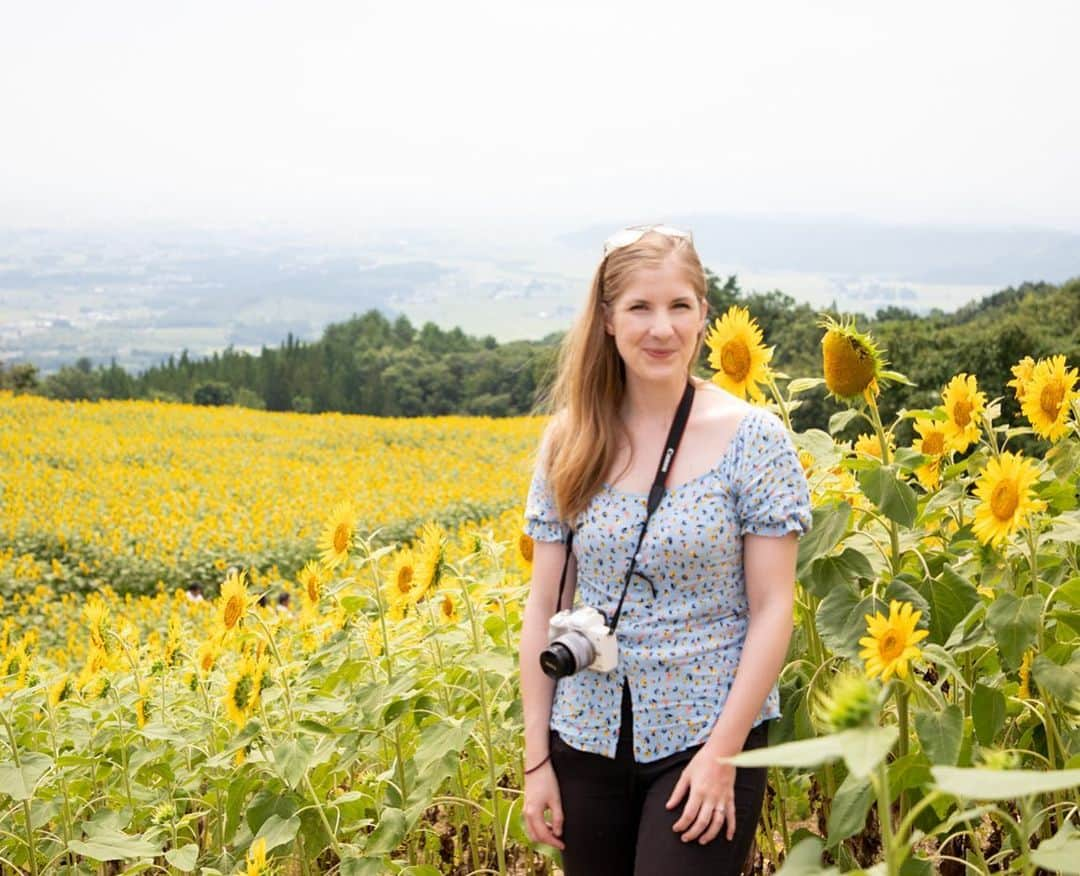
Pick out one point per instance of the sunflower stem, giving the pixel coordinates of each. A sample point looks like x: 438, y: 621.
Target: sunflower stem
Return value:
x: 485, y: 713
x: 771, y: 383
x: 894, y: 529
x: 30, y: 848
x: 902, y: 694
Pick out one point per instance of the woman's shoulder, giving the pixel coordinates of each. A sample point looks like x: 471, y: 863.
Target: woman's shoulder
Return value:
x: 731, y: 420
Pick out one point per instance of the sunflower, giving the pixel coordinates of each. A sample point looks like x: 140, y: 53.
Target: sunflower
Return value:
x: 1048, y: 397
x: 337, y: 535
x: 243, y: 688
x: 1021, y: 377
x: 256, y: 858
x: 61, y: 690
x: 806, y: 460
x: 891, y: 642
x: 1024, y: 691
x: 207, y: 656
x: 430, y: 558
x: 142, y: 704
x: 173, y: 641
x: 851, y: 359
x: 234, y: 600
x: 96, y: 614
x: 1005, y: 490
x: 964, y: 406
x: 933, y: 441
x: 737, y: 354
x: 373, y: 639
x: 311, y: 578
x: 447, y: 612
x: 869, y: 445
x: 526, y: 547
x: 404, y: 584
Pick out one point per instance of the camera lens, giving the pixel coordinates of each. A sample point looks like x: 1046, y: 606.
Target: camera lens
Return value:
x: 566, y: 655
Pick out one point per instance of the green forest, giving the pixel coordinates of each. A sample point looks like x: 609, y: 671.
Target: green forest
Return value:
x: 369, y: 364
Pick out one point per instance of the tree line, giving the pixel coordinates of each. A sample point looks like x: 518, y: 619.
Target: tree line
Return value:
x: 370, y: 364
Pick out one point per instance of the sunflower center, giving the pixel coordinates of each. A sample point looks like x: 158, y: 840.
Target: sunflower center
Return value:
x: 1004, y: 499
x: 233, y: 609
x: 735, y: 359
x: 313, y: 589
x: 1051, y: 397
x: 447, y: 607
x: 207, y: 662
x: 891, y: 645
x: 341, y: 538
x: 934, y: 444
x: 962, y: 413
x: 405, y: 579
x: 525, y: 545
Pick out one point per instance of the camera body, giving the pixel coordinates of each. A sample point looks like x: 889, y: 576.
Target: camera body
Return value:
x: 578, y: 639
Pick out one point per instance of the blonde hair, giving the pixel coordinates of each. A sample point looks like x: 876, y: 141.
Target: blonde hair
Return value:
x: 590, y: 381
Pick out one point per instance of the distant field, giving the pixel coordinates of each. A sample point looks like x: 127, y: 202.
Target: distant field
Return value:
x: 126, y: 493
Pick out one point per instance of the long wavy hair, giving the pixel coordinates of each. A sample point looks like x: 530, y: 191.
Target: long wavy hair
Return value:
x: 590, y: 380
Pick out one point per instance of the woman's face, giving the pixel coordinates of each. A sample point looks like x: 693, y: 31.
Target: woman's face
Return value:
x: 655, y: 322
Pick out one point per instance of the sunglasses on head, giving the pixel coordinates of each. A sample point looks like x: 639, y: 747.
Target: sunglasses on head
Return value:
x: 634, y: 233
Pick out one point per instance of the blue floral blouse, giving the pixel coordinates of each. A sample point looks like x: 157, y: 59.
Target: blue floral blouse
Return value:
x: 678, y: 651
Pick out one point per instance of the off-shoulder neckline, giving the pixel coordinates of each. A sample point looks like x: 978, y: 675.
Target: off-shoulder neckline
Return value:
x: 728, y: 452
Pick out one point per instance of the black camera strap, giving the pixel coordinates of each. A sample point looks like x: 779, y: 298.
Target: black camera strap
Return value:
x: 656, y: 496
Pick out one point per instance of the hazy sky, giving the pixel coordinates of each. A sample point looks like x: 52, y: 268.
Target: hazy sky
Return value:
x: 316, y: 113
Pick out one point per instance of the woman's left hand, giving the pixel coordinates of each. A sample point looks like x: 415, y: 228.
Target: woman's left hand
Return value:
x: 709, y: 787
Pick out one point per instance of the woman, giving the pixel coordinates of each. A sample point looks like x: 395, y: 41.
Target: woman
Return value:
x: 622, y: 767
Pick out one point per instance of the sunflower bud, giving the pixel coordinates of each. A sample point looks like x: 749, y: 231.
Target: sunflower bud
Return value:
x: 852, y: 701
x: 852, y: 360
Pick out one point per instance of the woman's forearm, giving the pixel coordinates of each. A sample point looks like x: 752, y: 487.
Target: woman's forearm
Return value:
x: 537, y: 689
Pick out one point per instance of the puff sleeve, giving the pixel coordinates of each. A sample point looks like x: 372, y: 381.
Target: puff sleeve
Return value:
x: 772, y: 496
x: 542, y: 521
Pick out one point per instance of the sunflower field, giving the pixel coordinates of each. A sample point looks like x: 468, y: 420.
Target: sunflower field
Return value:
x: 234, y: 641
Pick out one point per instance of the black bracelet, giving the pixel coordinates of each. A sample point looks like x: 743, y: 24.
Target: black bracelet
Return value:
x: 535, y: 768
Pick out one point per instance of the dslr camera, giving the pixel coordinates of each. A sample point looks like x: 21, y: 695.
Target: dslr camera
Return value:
x: 578, y: 639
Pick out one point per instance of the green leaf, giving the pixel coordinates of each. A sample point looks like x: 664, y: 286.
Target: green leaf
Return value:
x: 940, y: 734
x: 884, y: 486
x: 1066, y: 527
x: 861, y: 749
x: 987, y: 712
x: 984, y: 784
x: 1060, y: 853
x: 907, y: 772
x: 19, y: 781
x: 830, y: 522
x: 849, y: 807
x: 828, y: 573
x: 1070, y: 591
x: 1062, y: 681
x: 388, y: 834
x: 839, y: 421
x: 802, y: 384
x: 114, y: 845
x: 1014, y: 623
x: 183, y: 858
x: 448, y: 735
x: 357, y: 866
x: 950, y: 598
x: 292, y: 758
x: 841, y: 620
x: 805, y: 860
x: 278, y: 831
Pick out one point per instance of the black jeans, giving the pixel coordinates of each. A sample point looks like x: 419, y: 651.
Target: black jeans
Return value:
x: 614, y: 820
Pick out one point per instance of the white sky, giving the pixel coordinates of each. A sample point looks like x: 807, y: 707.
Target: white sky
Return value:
x: 316, y: 113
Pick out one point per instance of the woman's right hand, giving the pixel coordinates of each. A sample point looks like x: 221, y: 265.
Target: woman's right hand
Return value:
x: 541, y: 796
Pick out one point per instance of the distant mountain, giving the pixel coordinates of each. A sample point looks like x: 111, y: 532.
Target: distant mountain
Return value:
x: 856, y: 248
